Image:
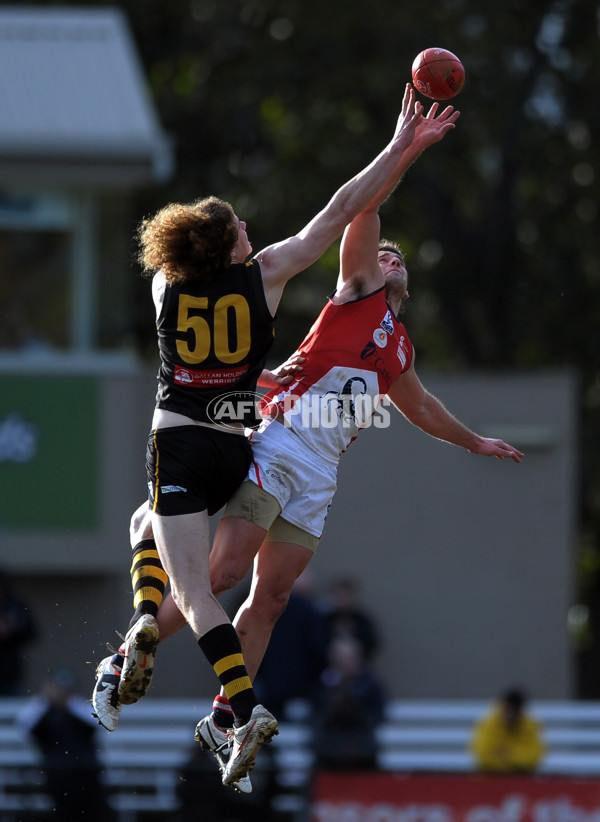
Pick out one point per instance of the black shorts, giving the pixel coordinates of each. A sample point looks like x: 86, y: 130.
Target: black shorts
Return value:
x: 192, y: 468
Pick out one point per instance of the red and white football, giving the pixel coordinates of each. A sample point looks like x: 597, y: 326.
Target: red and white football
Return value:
x: 438, y: 74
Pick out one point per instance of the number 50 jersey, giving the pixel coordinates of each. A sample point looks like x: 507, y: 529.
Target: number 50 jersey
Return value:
x: 213, y: 340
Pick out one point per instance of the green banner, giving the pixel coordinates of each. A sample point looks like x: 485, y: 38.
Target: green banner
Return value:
x: 48, y: 452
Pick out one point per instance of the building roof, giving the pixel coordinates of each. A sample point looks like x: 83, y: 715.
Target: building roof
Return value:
x: 74, y: 107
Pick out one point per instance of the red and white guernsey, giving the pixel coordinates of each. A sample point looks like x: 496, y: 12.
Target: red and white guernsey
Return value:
x: 353, y: 352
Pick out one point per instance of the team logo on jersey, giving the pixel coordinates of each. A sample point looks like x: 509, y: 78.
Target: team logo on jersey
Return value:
x: 368, y: 350
x: 346, y: 399
x: 380, y: 337
x: 387, y: 323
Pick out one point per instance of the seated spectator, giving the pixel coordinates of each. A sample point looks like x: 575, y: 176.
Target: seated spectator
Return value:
x: 507, y: 740
x: 350, y: 707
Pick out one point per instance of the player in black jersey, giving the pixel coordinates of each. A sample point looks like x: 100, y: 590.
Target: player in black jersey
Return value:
x: 214, y: 316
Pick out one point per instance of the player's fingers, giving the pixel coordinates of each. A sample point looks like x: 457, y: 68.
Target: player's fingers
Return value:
x: 446, y: 113
x: 449, y: 115
x: 513, y: 453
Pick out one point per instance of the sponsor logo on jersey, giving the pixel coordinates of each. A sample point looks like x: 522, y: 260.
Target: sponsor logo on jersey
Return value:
x: 402, y: 354
x: 276, y: 476
x: 380, y: 337
x: 207, y: 378
x: 173, y: 489
x: 183, y: 376
x: 368, y: 350
x: 388, y: 323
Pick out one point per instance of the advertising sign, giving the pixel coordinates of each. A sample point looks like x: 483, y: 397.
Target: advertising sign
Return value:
x: 48, y: 452
x: 387, y: 797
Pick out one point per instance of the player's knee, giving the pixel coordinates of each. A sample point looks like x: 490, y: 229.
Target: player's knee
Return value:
x: 224, y: 578
x: 140, y: 525
x: 272, y: 603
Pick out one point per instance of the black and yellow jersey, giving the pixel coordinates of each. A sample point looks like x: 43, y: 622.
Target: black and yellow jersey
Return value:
x: 213, y: 340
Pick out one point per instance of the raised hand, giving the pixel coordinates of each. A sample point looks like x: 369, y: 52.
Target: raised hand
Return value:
x: 432, y: 127
x: 410, y: 115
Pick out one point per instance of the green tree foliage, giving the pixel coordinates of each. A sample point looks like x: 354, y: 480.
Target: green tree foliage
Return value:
x: 273, y: 104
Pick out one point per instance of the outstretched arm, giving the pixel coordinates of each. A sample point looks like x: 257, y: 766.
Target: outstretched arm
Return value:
x: 358, y: 252
x: 359, y: 270
x: 426, y: 412
x: 279, y: 262
x: 429, y: 130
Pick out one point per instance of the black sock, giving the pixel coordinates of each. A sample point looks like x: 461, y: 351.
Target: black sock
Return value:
x: 148, y: 579
x: 221, y: 646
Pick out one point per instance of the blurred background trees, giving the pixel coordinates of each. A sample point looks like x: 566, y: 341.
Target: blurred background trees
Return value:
x: 272, y: 104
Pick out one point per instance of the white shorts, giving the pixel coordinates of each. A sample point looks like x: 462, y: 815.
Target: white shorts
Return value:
x: 301, y: 482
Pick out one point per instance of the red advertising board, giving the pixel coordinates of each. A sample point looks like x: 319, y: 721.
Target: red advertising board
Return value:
x: 386, y: 797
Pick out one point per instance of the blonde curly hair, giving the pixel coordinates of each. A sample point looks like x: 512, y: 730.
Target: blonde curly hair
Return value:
x: 190, y: 241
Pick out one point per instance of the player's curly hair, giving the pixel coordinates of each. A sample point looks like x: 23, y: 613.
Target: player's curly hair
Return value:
x: 190, y: 241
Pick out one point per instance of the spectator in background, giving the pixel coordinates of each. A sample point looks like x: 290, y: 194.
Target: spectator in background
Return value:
x: 16, y: 630
x: 507, y: 740
x: 60, y: 723
x: 297, y: 651
x: 351, y: 705
x: 346, y: 615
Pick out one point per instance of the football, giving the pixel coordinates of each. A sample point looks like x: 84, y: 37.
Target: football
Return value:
x: 438, y: 74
